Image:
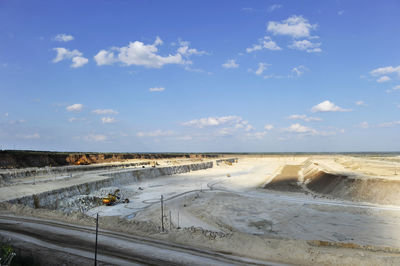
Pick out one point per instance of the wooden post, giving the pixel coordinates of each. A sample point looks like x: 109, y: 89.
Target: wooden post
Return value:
x: 97, y: 232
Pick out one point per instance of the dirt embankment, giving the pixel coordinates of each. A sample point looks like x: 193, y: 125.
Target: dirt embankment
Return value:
x: 379, y: 191
x: 287, y: 180
x: 22, y: 159
x: 319, y: 180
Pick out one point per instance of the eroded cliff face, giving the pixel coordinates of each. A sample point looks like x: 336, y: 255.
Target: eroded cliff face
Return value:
x: 22, y: 159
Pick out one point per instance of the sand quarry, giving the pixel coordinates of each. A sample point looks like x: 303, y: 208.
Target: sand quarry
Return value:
x: 291, y: 209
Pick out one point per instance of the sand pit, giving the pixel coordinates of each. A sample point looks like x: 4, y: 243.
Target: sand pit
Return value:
x: 305, y: 210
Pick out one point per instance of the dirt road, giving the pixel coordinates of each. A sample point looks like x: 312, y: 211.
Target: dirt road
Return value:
x: 114, y: 248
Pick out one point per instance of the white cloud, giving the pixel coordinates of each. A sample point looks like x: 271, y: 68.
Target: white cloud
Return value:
x: 360, y: 103
x: 389, y: 124
x: 294, y: 26
x: 63, y: 37
x: 235, y: 121
x: 297, y: 128
x: 299, y: 70
x: 32, y: 136
x: 306, y: 45
x: 265, y: 43
x: 257, y: 135
x: 261, y: 68
x: 77, y: 107
x: 139, y: 54
x: 364, y: 124
x: 108, y: 120
x: 268, y: 127
x: 104, y: 111
x: 16, y: 122
x: 76, y: 57
x: 95, y: 137
x: 274, y: 7
x: 157, y: 89
x: 383, y: 79
x: 396, y: 88
x: 105, y: 58
x: 327, y: 106
x: 186, y: 51
x: 72, y: 119
x: 385, y: 71
x: 79, y: 61
x: 231, y: 63
x: 156, y: 133
x: 305, y: 118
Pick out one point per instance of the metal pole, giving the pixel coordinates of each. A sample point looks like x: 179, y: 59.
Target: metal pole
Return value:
x: 97, y: 232
x: 170, y: 221
x: 178, y: 220
x: 162, y: 213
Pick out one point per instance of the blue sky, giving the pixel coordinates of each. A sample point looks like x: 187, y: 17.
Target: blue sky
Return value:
x: 200, y: 76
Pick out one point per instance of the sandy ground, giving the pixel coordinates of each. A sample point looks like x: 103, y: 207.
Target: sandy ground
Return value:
x: 236, y: 214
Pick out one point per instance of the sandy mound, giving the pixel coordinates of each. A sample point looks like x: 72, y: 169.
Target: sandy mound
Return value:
x: 370, y: 190
x: 287, y: 180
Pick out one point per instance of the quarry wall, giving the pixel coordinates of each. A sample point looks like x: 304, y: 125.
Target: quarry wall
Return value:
x: 51, y: 199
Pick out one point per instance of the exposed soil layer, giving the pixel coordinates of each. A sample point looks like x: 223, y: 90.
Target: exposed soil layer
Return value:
x: 286, y: 180
x: 22, y: 159
x: 379, y: 191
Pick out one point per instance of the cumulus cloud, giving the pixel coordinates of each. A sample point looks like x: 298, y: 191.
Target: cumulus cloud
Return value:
x: 63, y: 37
x: 305, y: 118
x: 299, y: 70
x: 383, y: 79
x: 104, y: 111
x: 77, y: 107
x: 72, y: 119
x: 76, y: 57
x: 231, y: 63
x: 155, y: 133
x: 389, y: 124
x: 395, y: 88
x: 385, y: 71
x: 261, y: 68
x: 186, y: 51
x: 95, y: 137
x: 303, y: 130
x: 306, y: 45
x: 108, y: 120
x: 257, y: 135
x: 298, y: 128
x: 268, y: 127
x: 157, y: 89
x: 216, y: 121
x: 364, y: 124
x: 31, y: 136
x: 327, y: 106
x: 360, y: 103
x: 265, y: 43
x: 139, y: 54
x: 294, y: 26
x: 274, y: 7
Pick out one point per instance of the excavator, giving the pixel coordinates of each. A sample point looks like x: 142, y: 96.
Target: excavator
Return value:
x: 113, y: 198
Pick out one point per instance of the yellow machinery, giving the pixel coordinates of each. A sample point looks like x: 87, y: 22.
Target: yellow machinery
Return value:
x: 113, y: 198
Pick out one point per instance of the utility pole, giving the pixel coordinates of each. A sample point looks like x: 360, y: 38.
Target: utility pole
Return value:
x: 162, y: 213
x: 97, y: 232
x: 170, y: 221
